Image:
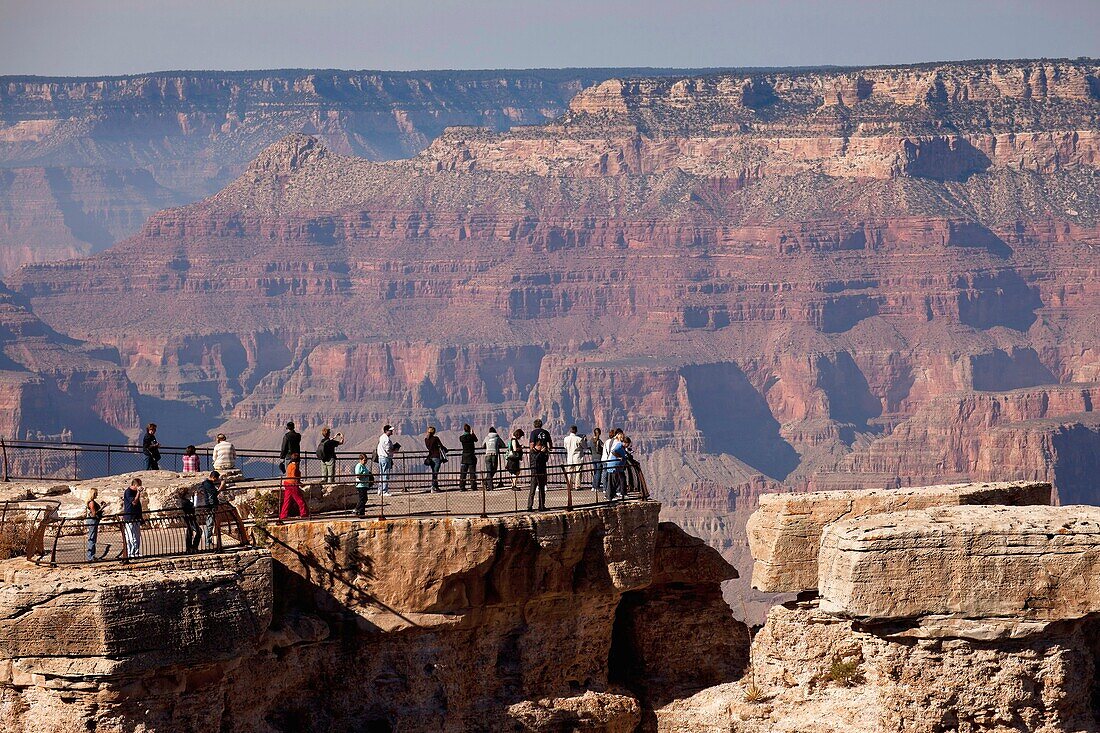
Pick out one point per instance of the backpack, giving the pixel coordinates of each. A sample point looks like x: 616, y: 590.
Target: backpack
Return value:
x: 321, y: 451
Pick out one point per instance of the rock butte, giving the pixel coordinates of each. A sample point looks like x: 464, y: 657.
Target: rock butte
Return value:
x: 949, y: 618
x: 776, y: 282
x: 785, y: 530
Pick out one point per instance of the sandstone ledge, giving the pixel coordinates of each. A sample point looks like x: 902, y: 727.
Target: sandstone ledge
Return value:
x: 1029, y: 563
x: 785, y: 531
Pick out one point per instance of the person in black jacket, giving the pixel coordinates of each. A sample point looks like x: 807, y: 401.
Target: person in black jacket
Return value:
x: 190, y: 522
x: 151, y: 448
x: 469, y: 458
x: 540, y: 456
x: 207, y: 500
x: 292, y: 443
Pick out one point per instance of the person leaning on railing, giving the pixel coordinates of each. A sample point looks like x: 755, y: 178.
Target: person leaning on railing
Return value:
x: 190, y: 460
x: 493, y: 445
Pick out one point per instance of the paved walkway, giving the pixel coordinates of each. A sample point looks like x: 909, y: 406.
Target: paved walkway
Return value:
x: 164, y: 537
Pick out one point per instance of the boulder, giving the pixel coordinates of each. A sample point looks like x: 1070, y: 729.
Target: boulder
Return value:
x: 785, y: 531
x: 1026, y: 563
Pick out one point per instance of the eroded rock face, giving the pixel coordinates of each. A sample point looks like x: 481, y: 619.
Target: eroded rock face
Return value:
x: 785, y: 531
x: 421, y: 625
x: 1037, y: 562
x: 677, y: 635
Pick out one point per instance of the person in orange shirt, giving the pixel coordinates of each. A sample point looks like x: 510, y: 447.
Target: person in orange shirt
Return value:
x: 292, y: 489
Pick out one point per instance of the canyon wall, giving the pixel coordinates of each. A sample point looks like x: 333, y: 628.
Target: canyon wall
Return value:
x: 84, y: 161
x: 520, y: 623
x: 773, y: 281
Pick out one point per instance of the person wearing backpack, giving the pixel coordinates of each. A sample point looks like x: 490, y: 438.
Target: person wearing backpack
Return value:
x: 326, y: 454
x: 493, y: 445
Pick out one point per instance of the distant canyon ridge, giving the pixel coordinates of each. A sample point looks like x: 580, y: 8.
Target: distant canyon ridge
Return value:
x: 788, y: 280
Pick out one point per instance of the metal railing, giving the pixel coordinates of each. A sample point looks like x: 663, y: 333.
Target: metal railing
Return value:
x: 40, y: 460
x: 46, y: 536
x: 160, y: 533
x: 411, y: 494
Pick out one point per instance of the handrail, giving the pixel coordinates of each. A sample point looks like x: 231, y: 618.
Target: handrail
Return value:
x: 41, y: 460
x: 176, y: 531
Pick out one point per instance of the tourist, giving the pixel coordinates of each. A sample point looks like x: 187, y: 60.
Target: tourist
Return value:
x: 540, y: 435
x: 540, y: 456
x: 493, y: 445
x: 386, y: 449
x: 514, y: 459
x: 326, y: 453
x: 292, y: 443
x: 614, y: 456
x: 468, y: 467
x: 190, y: 460
x: 574, y: 455
x: 132, y: 499
x: 363, y: 481
x: 595, y: 449
x: 151, y: 448
x: 629, y: 467
x: 207, y: 500
x: 437, y: 455
x: 224, y: 457
x: 190, y: 523
x: 93, y: 513
x: 292, y: 489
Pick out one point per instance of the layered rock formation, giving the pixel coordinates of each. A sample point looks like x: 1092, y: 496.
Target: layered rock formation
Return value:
x: 83, y: 162
x: 950, y: 618
x: 774, y: 281
x: 432, y: 624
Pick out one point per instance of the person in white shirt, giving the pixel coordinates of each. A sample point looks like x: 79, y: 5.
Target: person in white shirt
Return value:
x: 385, y: 459
x: 574, y: 455
x: 224, y: 457
x: 493, y: 446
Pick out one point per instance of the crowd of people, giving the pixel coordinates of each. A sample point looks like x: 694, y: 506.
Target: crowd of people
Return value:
x: 605, y: 460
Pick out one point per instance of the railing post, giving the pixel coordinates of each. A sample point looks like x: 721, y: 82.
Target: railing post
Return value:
x: 4, y: 448
x: 56, y: 537
x: 125, y: 538
x: 108, y: 459
x: 382, y: 502
x: 217, y: 528
x: 484, y: 481
x: 568, y: 491
x: 76, y: 472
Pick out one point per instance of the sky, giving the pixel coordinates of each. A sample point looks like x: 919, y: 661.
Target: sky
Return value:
x: 106, y: 37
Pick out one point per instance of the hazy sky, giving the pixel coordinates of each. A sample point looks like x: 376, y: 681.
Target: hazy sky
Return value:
x: 95, y: 37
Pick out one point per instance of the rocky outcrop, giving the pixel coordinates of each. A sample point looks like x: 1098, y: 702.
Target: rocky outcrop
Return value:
x: 1027, y: 563
x: 451, y: 623
x: 785, y: 531
x: 963, y: 617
